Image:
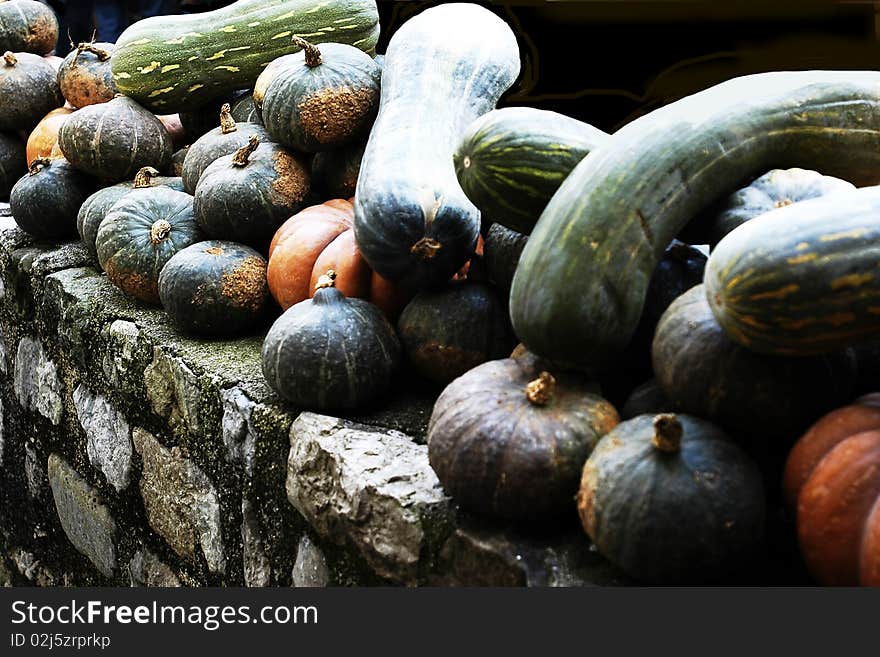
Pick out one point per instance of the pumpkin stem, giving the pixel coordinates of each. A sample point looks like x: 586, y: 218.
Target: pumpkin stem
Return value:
x: 667, y: 433
x: 159, y: 231
x: 326, y: 280
x: 541, y: 389
x: 227, y: 123
x: 38, y: 165
x: 240, y: 159
x: 144, y: 177
x: 100, y: 53
x: 313, y: 55
x: 426, y: 248
x: 10, y: 58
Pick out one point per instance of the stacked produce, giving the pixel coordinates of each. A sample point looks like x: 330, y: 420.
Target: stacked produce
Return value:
x: 260, y: 165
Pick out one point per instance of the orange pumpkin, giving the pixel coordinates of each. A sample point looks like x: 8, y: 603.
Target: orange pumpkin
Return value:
x: 45, y: 136
x: 833, y: 477
x: 320, y: 238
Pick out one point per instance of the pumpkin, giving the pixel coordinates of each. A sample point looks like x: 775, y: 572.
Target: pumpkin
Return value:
x: 85, y: 77
x: 670, y: 499
x: 413, y: 222
x: 246, y: 196
x: 335, y: 173
x: 501, y: 251
x: 330, y: 352
x: 268, y: 74
x: 203, y: 119
x: 177, y: 160
x: 445, y: 333
x: 13, y: 164
x: 140, y: 234
x: 44, y: 136
x: 45, y: 201
x: 28, y: 90
x: 646, y: 398
x: 114, y: 140
x: 28, y: 26
x: 175, y: 130
x: 215, y: 288
x: 832, y: 477
x: 245, y: 111
x: 323, y: 99
x: 225, y: 139
x: 509, y: 439
x: 320, y: 238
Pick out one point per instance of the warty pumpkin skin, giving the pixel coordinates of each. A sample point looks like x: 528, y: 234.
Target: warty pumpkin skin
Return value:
x: 85, y: 77
x: 27, y: 26
x: 45, y: 201
x: 330, y: 352
x: 671, y: 499
x: 44, y: 136
x: 114, y: 140
x: 28, y: 90
x: 140, y: 234
x: 508, y: 439
x: 13, y: 163
x: 215, y: 288
x: 244, y: 197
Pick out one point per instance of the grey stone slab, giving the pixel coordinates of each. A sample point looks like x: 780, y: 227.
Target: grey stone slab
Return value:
x: 108, y: 436
x: 36, y: 382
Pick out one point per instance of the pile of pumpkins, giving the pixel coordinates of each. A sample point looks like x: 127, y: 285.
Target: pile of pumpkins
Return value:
x: 389, y: 213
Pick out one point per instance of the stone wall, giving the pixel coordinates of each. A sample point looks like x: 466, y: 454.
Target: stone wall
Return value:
x: 132, y: 455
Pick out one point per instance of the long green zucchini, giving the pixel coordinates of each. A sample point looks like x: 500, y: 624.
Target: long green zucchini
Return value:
x: 581, y: 282
x: 803, y: 279
x: 178, y: 63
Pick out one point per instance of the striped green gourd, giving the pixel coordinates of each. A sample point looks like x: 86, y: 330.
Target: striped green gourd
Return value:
x: 178, y: 63
x: 511, y: 161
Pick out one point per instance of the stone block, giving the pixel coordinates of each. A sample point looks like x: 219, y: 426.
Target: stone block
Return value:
x: 310, y: 568
x: 108, y: 436
x: 257, y: 568
x: 36, y: 382
x: 146, y: 569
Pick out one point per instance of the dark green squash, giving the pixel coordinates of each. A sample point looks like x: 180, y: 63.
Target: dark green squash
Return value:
x: 28, y: 91
x: 445, y: 333
x: 322, y: 99
x: 330, y: 352
x: 140, y: 234
x: 670, y: 499
x: 246, y: 196
x: 225, y: 139
x: 13, y: 162
x: 335, y: 173
x: 85, y: 77
x: 501, y: 250
x: 509, y: 439
x: 45, y: 201
x: 412, y: 220
x: 215, y: 288
x: 511, y: 161
x: 28, y: 26
x: 611, y: 220
x: 803, y: 279
x: 646, y: 398
x: 245, y: 111
x: 114, y: 140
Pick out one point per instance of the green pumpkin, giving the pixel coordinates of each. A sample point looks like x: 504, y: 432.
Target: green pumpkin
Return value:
x: 28, y: 26
x: 28, y: 90
x: 13, y: 162
x: 245, y: 111
x: 323, y: 99
x: 45, y: 201
x: 215, y: 288
x: 140, y: 234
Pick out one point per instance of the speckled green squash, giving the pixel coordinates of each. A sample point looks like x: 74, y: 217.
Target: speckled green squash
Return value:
x: 176, y: 63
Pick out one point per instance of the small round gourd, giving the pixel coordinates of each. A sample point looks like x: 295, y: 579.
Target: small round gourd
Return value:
x: 323, y: 99
x: 28, y: 26
x: 44, y: 137
x: 85, y: 77
x: 13, y: 163
x: 509, y: 439
x: 114, y: 140
x: 28, y: 90
x: 671, y: 499
x: 330, y: 352
x: 215, y: 288
x: 246, y: 196
x: 45, y: 201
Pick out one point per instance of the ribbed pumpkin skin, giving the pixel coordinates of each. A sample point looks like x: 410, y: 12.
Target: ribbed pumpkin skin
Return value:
x: 693, y: 516
x: 705, y: 373
x: 511, y: 161
x: 201, y: 56
x: 614, y: 215
x: 335, y: 173
x: 248, y: 203
x: 13, y: 163
x: 113, y: 141
x: 266, y: 78
x: 448, y: 332
x: 330, y: 353
x: 312, y: 109
x: 443, y: 69
x: 85, y: 77
x: 125, y: 249
x: 815, y: 288
x: 245, y: 111
x: 45, y: 203
x: 215, y: 288
x: 28, y: 90
x: 44, y: 136
x: 27, y: 26
x: 775, y: 189
x: 215, y: 144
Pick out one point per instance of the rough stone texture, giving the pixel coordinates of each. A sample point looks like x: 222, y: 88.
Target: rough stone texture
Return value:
x: 239, y: 434
x: 310, y: 568
x: 2, y: 439
x: 173, y: 391
x: 34, y: 472
x: 257, y: 568
x: 146, y: 569
x: 374, y: 489
x: 4, y: 368
x: 84, y: 518
x: 37, y: 385
x: 108, y: 436
x: 125, y: 353
x: 181, y: 502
